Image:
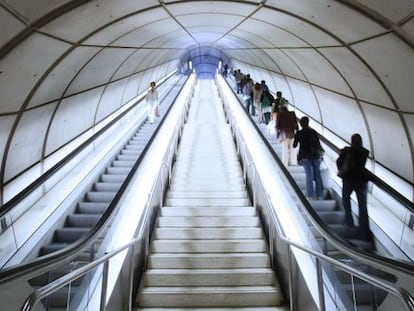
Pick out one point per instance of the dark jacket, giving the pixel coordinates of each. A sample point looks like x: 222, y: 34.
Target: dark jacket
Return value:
x: 351, y: 164
x: 310, y: 146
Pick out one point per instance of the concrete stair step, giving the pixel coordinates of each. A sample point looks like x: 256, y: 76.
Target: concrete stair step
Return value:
x: 206, y: 194
x: 207, y: 202
x: 278, y: 308
x: 208, y: 233
x: 209, y: 277
x: 209, y: 246
x: 213, y: 184
x: 208, y: 261
x: 213, y: 187
x: 232, y: 176
x: 182, y: 221
x: 207, y: 211
x: 209, y: 296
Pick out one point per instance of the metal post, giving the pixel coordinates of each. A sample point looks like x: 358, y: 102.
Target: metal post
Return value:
x: 104, y: 285
x: 131, y: 276
x: 320, y: 285
x: 290, y: 272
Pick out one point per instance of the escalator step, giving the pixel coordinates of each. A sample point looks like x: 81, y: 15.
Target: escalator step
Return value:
x: 335, y: 217
x: 82, y: 221
x: 92, y: 207
x: 324, y: 205
x: 121, y: 164
x: 112, y: 178
x: 107, y: 186
x: 118, y: 170
x: 69, y: 234
x: 99, y: 196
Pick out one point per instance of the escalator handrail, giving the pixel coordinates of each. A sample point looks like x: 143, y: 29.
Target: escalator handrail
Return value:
x: 381, y: 184
x: 72, y: 276
x: 9, y: 205
x: 327, y: 233
x: 45, y: 263
x: 52, y: 287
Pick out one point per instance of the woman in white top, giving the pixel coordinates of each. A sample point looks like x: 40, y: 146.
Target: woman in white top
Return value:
x: 152, y: 102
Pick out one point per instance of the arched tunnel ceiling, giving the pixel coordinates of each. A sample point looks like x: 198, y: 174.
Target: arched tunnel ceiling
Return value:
x: 67, y: 65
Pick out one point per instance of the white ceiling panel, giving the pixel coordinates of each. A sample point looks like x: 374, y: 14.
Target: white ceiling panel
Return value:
x: 316, y: 70
x: 84, y: 20
x: 300, y: 95
x: 55, y: 84
x: 74, y: 116
x: 285, y: 65
x: 409, y: 26
x: 27, y: 144
x: 123, y: 27
x: 225, y: 22
x: 395, y: 12
x: 134, y: 63
x: 266, y: 35
x: 110, y: 101
x: 351, y: 118
x: 100, y: 69
x: 6, y: 124
x: 30, y: 12
x: 358, y: 76
x: 390, y: 140
x: 28, y: 62
x: 142, y: 35
x: 231, y: 41
x: 11, y: 26
x: 343, y: 22
x: 297, y: 27
x: 229, y: 8
x: 393, y: 61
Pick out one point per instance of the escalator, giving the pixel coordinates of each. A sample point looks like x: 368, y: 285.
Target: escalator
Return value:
x: 330, y: 213
x: 86, y: 215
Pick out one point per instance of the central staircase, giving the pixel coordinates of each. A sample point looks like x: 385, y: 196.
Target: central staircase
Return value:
x: 208, y: 249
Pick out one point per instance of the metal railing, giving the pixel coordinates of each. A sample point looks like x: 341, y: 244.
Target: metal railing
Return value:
x: 275, y: 233
x: 143, y: 236
x: 274, y: 228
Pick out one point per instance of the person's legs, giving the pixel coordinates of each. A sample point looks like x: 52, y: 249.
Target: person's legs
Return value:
x: 293, y: 159
x: 307, y: 165
x: 347, y: 189
x: 285, y: 151
x: 316, y: 165
x: 361, y: 193
x: 267, y: 117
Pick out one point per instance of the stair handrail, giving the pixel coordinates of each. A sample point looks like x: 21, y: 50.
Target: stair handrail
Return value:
x: 52, y: 287
x: 47, y: 262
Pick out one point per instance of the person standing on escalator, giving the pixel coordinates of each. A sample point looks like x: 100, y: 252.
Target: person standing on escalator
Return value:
x: 152, y: 103
x: 310, y: 157
x: 351, y: 168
